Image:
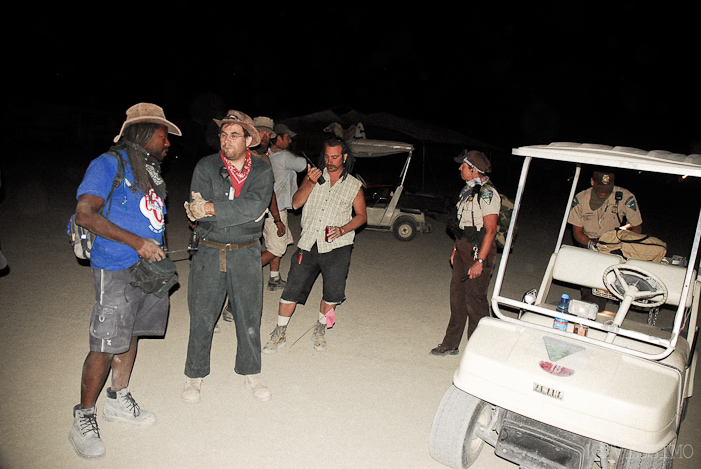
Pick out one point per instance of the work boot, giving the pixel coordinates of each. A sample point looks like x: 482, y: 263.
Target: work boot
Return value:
x: 260, y: 390
x: 443, y: 350
x: 191, y: 393
x: 84, y: 434
x: 276, y: 283
x: 277, y: 340
x: 318, y: 338
x: 120, y: 406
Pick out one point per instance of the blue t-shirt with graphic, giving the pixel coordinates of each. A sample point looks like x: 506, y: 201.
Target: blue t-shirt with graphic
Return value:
x: 141, y: 214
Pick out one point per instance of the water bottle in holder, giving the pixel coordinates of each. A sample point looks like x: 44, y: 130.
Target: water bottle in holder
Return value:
x: 562, y: 307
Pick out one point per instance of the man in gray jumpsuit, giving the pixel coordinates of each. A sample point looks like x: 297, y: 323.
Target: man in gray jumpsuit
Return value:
x: 231, y: 192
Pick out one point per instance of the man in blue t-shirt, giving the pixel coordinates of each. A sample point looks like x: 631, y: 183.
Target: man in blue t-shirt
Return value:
x: 129, y: 229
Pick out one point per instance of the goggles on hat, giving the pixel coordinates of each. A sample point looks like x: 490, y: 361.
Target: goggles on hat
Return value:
x: 469, y: 163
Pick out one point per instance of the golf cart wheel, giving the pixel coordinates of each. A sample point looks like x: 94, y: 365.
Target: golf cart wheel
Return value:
x: 404, y: 229
x: 663, y: 459
x: 453, y: 439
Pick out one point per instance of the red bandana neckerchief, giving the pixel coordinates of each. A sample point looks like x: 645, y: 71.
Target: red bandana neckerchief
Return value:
x: 238, y: 177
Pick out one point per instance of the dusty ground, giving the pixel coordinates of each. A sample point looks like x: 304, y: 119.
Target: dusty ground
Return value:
x: 368, y: 401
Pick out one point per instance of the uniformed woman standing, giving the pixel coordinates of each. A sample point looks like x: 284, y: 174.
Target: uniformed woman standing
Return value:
x: 474, y: 253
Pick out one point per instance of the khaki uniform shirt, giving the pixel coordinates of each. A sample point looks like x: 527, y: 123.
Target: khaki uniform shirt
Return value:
x: 328, y: 206
x: 606, y: 217
x: 489, y: 204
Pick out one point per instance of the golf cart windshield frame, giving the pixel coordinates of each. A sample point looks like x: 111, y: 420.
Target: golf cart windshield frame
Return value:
x: 616, y: 157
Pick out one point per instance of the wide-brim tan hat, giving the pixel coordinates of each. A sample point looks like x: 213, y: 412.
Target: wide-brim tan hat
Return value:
x: 265, y: 124
x: 242, y: 119
x: 147, y: 113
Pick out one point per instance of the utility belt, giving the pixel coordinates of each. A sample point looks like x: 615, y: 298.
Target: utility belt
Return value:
x: 470, y: 233
x: 227, y: 247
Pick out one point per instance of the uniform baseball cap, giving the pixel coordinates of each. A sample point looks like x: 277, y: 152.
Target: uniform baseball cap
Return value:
x: 603, y: 181
x: 476, y: 159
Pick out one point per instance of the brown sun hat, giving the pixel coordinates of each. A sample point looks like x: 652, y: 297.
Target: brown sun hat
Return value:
x: 147, y: 113
x: 265, y: 124
x: 242, y: 119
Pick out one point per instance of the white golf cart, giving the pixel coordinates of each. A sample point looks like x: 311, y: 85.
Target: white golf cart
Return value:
x: 385, y: 213
x: 549, y: 398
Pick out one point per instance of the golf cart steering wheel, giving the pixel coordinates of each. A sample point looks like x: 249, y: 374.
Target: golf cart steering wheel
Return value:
x: 646, y: 290
x: 362, y: 181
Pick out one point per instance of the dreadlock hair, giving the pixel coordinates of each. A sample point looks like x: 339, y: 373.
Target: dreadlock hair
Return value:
x: 345, y: 150
x: 140, y: 134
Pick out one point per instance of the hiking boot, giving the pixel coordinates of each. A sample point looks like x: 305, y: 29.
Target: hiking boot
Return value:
x: 120, y: 406
x: 84, y: 434
x: 318, y: 338
x: 191, y: 393
x: 442, y: 350
x: 227, y: 315
x: 277, y: 340
x: 260, y: 390
x: 276, y: 283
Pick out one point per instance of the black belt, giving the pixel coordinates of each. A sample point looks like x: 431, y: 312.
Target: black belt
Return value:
x: 227, y: 247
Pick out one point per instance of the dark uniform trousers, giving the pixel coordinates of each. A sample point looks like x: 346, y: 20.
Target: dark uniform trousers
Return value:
x: 468, y: 298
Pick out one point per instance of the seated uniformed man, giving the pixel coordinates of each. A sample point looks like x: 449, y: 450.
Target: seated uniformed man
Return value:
x: 601, y: 208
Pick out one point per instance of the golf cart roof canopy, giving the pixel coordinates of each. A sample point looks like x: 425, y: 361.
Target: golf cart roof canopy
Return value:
x: 617, y: 157
x: 365, y: 148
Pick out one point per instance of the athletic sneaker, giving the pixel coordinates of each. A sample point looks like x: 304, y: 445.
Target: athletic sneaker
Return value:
x: 318, y: 337
x: 191, y: 393
x: 260, y: 390
x: 84, y: 434
x: 120, y: 406
x: 276, y: 283
x: 277, y: 340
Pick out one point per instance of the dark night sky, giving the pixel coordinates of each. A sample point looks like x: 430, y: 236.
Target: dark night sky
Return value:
x: 614, y: 75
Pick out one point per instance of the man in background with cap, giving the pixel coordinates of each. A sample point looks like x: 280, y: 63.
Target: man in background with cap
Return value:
x: 475, y: 251
x: 285, y: 165
x: 601, y: 208
x: 264, y: 126
x: 131, y: 230
x: 231, y: 191
x: 274, y: 230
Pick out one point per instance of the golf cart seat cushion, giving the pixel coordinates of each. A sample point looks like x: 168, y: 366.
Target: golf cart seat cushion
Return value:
x: 583, y: 267
x: 671, y: 275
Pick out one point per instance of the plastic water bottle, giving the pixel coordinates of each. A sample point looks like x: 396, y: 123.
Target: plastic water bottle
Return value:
x: 562, y: 307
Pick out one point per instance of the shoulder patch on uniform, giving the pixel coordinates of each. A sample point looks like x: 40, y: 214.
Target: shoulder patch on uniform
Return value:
x: 487, y: 195
x: 632, y: 204
x: 575, y: 202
